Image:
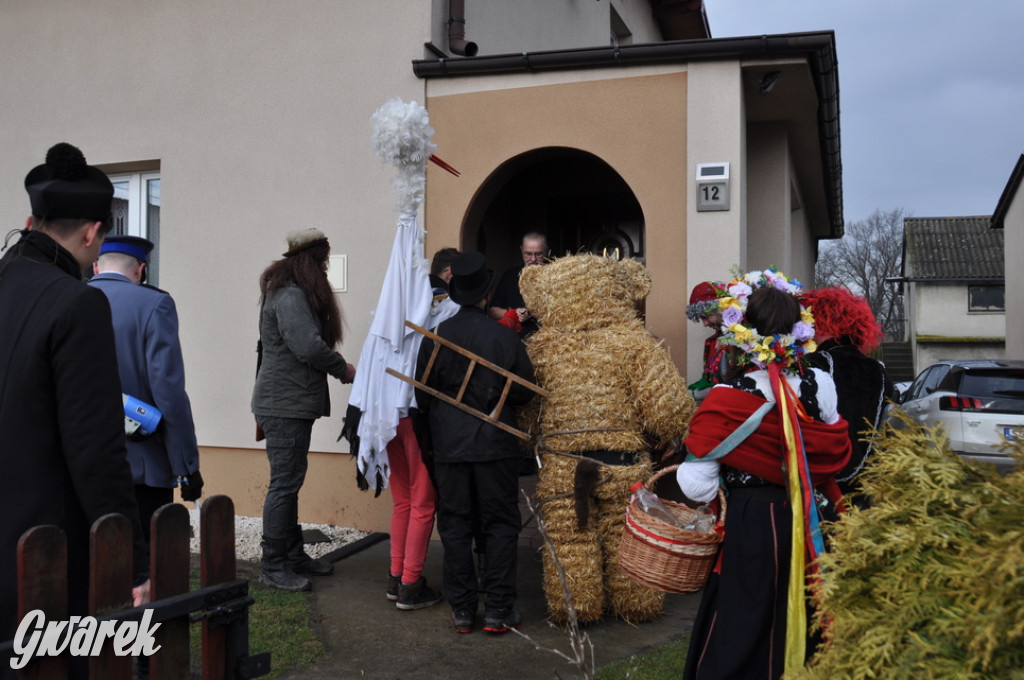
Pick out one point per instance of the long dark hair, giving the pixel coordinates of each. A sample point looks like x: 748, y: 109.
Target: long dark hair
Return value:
x: 306, y: 270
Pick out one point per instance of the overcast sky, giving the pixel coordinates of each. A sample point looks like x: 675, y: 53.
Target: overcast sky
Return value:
x: 931, y: 95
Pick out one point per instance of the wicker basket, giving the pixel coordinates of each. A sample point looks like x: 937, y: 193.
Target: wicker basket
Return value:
x: 666, y: 557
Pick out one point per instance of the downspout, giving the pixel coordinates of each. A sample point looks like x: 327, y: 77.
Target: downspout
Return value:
x: 457, y: 42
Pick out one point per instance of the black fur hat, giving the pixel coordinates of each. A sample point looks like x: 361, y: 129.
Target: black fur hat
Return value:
x: 65, y: 186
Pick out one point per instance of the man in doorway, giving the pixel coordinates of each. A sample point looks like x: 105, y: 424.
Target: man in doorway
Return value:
x: 150, y: 364
x: 507, y: 299
x: 61, y: 416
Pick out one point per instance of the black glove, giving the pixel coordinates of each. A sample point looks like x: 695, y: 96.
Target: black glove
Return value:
x: 191, y: 486
x: 350, y: 428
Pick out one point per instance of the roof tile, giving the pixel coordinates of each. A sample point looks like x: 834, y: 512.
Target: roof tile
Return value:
x: 953, y: 248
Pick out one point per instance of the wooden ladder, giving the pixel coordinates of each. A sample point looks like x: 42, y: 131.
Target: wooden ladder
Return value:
x: 474, y: 360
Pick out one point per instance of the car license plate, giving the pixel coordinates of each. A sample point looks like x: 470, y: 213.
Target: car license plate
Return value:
x: 1014, y: 433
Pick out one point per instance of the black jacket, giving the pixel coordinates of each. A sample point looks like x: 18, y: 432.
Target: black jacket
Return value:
x: 62, y: 445
x: 863, y: 388
x: 459, y: 436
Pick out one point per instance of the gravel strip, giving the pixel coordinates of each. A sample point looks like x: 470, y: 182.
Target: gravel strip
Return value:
x: 249, y: 532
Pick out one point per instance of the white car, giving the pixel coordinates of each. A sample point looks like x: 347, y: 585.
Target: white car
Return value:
x: 979, y: 402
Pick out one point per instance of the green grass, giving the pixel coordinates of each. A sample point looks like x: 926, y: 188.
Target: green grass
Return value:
x: 279, y: 623
x: 660, y: 663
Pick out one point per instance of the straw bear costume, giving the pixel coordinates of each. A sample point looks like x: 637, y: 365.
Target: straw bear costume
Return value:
x: 613, y: 388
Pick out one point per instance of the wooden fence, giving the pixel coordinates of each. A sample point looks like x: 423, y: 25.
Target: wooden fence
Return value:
x: 221, y: 603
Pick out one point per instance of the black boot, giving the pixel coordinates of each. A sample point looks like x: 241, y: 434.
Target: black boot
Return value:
x: 300, y: 562
x: 277, y: 573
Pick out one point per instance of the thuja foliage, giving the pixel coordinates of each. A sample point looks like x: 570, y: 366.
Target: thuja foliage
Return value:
x: 929, y: 581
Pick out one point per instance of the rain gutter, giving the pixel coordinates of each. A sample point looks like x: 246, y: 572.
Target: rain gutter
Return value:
x: 819, y: 48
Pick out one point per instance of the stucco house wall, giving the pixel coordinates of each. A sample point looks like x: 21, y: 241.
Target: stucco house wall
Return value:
x: 1008, y: 218
x: 1014, y: 243
x: 945, y: 329
x: 943, y: 257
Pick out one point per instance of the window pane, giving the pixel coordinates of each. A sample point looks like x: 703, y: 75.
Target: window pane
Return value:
x: 987, y: 298
x: 119, y: 208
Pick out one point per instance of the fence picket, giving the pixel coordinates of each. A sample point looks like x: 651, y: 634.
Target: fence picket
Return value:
x: 43, y: 575
x: 169, y: 575
x: 110, y: 587
x: 217, y: 565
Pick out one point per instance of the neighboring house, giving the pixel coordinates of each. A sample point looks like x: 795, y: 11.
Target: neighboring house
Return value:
x: 229, y: 124
x: 1009, y: 219
x: 955, y: 289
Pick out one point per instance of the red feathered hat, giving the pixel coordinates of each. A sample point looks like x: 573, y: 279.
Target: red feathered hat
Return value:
x: 703, y: 300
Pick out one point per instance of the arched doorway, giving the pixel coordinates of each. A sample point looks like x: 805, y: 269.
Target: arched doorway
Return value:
x: 573, y: 197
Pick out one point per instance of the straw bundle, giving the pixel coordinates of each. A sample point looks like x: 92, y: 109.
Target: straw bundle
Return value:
x: 589, y: 556
x: 614, y: 383
x: 604, y: 370
x: 611, y: 386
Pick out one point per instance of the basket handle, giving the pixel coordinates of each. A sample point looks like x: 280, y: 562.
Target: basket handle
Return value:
x: 649, y: 485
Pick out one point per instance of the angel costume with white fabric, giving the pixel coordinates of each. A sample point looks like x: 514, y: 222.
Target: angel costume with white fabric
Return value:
x: 377, y: 422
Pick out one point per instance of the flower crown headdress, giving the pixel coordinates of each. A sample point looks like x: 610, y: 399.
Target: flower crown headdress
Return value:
x: 785, y: 349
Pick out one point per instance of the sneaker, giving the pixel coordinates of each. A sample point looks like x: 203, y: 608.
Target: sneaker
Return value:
x: 416, y: 596
x: 500, y: 620
x: 393, y: 583
x: 463, y: 620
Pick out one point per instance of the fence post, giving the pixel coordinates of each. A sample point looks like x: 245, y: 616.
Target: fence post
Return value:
x: 110, y: 587
x: 169, y: 575
x: 43, y: 584
x: 217, y: 565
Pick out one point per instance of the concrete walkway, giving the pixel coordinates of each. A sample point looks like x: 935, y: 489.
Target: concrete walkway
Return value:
x: 368, y: 638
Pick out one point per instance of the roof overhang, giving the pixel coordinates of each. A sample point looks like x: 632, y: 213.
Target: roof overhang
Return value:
x: 1009, y: 192
x: 817, y: 50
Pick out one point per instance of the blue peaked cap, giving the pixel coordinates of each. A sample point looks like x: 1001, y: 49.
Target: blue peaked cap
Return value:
x: 136, y: 246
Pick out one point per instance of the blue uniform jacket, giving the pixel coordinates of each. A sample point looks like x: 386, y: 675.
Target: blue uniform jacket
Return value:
x: 151, y: 369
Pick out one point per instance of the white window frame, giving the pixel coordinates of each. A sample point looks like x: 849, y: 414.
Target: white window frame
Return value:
x: 137, y: 200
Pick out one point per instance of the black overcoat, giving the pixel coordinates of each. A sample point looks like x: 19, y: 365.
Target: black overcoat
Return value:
x: 62, y: 445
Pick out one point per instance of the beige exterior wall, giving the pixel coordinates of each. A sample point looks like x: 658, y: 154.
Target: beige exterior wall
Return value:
x: 768, y: 179
x: 503, y: 27
x: 636, y: 125
x: 940, y: 310
x: 260, y: 122
x: 1013, y: 242
x: 716, y: 131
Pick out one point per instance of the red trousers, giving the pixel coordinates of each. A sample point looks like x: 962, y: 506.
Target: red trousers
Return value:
x: 413, y: 499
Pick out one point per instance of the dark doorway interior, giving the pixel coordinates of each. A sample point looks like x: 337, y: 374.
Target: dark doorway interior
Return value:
x: 576, y: 199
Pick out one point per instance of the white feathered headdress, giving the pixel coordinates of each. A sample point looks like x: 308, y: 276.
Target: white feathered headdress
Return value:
x: 402, y: 138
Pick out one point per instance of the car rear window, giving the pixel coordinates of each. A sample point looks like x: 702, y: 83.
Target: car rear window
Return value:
x: 993, y: 384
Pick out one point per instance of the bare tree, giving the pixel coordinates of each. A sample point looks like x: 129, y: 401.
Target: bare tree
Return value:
x: 870, y: 252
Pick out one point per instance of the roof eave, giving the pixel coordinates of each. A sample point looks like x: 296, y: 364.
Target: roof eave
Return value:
x: 819, y: 48
x: 1009, y: 192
